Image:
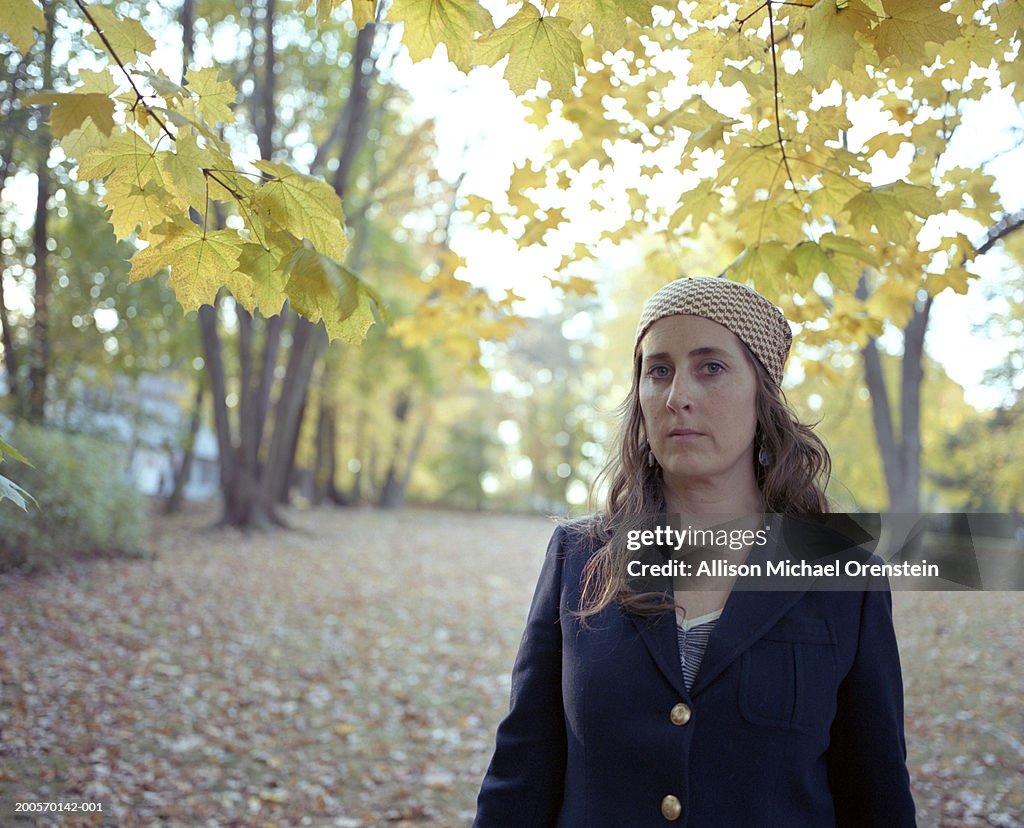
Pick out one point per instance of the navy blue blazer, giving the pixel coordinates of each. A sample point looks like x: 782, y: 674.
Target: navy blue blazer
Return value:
x: 795, y: 717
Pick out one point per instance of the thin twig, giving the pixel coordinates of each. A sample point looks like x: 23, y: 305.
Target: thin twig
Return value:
x: 139, y: 97
x: 777, y: 95
x: 741, y: 21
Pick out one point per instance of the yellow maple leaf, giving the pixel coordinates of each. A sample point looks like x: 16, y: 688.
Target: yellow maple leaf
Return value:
x: 536, y: 229
x: 537, y: 47
x: 752, y: 170
x: 887, y: 142
x: 606, y: 17
x: 22, y: 18
x: 321, y: 289
x: 134, y: 206
x: 893, y: 301
x: 127, y: 151
x: 698, y: 205
x: 845, y: 246
x: 70, y: 109
x: 303, y: 206
x: 829, y: 42
x: 455, y: 23
x: 1009, y: 16
x: 200, y: 262
x: 811, y: 260
x: 909, y: 25
x: 263, y: 267
x: 709, y: 48
x: 887, y: 208
x: 956, y: 277
x: 127, y: 37
x: 80, y: 141
x: 185, y: 167
x: 765, y: 266
x: 214, y: 97
x: 574, y: 285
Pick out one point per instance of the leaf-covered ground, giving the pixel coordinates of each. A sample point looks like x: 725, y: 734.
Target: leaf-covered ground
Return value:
x: 352, y: 673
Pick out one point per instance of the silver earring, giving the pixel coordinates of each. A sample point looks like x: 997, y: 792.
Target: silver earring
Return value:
x: 764, y: 457
x: 650, y: 458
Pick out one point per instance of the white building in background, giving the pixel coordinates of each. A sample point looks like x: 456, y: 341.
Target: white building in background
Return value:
x: 150, y: 418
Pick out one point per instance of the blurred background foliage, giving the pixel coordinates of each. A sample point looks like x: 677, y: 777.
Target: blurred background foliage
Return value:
x: 470, y: 398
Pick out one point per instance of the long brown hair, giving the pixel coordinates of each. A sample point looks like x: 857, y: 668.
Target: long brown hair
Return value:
x: 793, y: 482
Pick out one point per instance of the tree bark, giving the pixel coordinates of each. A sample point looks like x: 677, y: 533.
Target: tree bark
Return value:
x: 901, y: 456
x: 356, y: 108
x: 288, y: 478
x: 6, y: 159
x: 39, y: 348
x: 908, y: 498
x: 391, y: 495
x: 418, y: 441
x: 354, y: 122
x: 176, y: 499
x: 326, y: 465
x: 10, y: 356
x: 267, y: 113
x: 307, y: 340
x: 187, y: 34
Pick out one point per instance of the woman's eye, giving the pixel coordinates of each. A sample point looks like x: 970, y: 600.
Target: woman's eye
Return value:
x: 658, y: 371
x: 714, y: 368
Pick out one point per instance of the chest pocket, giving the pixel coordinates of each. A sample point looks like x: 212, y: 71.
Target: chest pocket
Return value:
x: 788, y: 677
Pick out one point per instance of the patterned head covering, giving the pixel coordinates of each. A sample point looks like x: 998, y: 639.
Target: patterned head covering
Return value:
x: 756, y: 321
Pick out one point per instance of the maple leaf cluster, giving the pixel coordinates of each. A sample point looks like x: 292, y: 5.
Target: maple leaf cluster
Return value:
x: 169, y: 178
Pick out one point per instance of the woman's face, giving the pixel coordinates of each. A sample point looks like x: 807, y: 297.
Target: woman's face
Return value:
x: 697, y: 394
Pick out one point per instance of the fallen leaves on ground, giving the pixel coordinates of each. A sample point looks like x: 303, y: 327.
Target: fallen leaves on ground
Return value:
x: 351, y: 673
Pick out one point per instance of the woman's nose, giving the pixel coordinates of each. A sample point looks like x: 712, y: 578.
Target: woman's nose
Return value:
x: 680, y: 395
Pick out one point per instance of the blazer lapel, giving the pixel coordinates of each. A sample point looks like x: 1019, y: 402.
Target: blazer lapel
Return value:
x: 749, y: 613
x: 659, y: 634
x: 746, y: 617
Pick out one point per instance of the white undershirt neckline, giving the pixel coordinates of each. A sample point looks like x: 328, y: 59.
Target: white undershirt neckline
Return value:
x: 689, y: 623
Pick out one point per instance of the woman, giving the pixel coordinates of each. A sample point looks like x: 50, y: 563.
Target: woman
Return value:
x: 719, y: 706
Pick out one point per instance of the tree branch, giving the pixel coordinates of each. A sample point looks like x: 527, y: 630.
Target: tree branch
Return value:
x: 1007, y: 225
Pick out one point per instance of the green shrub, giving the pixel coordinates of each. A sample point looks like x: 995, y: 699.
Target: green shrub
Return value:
x: 84, y: 507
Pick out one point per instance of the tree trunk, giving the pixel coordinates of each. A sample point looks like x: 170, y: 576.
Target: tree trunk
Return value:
x: 187, y: 19
x: 326, y: 469
x: 901, y: 456
x: 265, y: 101
x: 6, y: 159
x: 176, y: 498
x: 251, y: 489
x: 418, y: 442
x: 10, y: 361
x: 39, y: 348
x: 391, y: 494
x: 307, y: 340
x: 288, y: 480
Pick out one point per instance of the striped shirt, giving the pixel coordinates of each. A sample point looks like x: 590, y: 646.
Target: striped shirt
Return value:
x: 693, y: 636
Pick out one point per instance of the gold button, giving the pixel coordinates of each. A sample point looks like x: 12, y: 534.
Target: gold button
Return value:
x: 680, y: 714
x: 670, y: 808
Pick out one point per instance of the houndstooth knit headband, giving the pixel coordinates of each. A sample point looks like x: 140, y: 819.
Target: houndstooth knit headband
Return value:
x: 756, y: 321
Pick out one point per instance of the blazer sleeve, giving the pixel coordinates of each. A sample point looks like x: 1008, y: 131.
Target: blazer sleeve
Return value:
x: 525, y: 779
x: 867, y: 757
